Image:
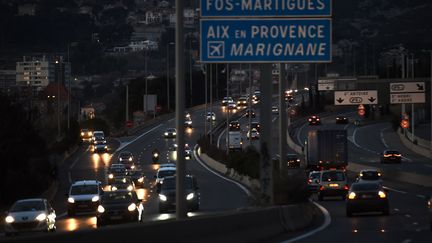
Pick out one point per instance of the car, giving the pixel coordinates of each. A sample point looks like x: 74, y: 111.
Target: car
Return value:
x: 390, y: 156
x: 163, y: 172
x: 187, y: 115
x: 137, y: 177
x: 119, y: 206
x: 313, y: 180
x: 127, y: 158
x: 188, y: 152
x: 116, y: 171
x: 340, y: 119
x: 211, y: 116
x: 226, y: 100
x: 29, y: 215
x: 293, y: 160
x: 250, y: 112
x: 288, y: 96
x: 234, y: 126
x: 253, y: 134
x: 99, y: 135
x: 256, y: 97
x: 314, y: 120
x: 167, y: 165
x: 86, y: 135
x: 366, y: 197
x: 275, y: 109
x: 256, y: 125
x: 232, y: 105
x: 369, y: 175
x: 167, y: 194
x: 188, y: 122
x: 170, y: 133
x: 429, y: 205
x: 242, y: 102
x: 83, y: 196
x: 99, y: 145
x: 122, y: 184
x: 332, y: 183
x: 172, y: 152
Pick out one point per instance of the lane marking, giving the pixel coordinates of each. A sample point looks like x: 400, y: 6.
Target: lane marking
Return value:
x: 407, y: 241
x: 78, y: 158
x: 217, y: 174
x: 382, y: 137
x: 327, y: 221
x: 394, y: 190
x: 421, y: 196
x: 299, y: 132
x: 135, y: 139
x: 219, y: 138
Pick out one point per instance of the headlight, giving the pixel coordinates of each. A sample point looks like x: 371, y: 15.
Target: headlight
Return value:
x: 166, y: 134
x: 111, y: 176
x: 133, y: 167
x: 71, y: 200
x: 352, y: 195
x: 82, y: 134
x: 174, y: 133
x: 155, y: 155
x: 130, y: 159
x: 113, y: 188
x: 130, y: 188
x: 90, y: 134
x: 95, y: 198
x: 381, y: 194
x: 101, y: 209
x: 41, y: 217
x: 9, y: 219
x: 121, y: 159
x: 162, y: 197
x: 141, y: 179
x: 190, y: 196
x: 132, y: 207
x: 106, y: 147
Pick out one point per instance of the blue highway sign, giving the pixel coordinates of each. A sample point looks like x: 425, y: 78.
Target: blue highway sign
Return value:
x: 265, y: 40
x: 266, y: 8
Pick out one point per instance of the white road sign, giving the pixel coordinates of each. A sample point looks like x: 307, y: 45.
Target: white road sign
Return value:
x: 356, y: 97
x: 412, y: 87
x: 407, y: 98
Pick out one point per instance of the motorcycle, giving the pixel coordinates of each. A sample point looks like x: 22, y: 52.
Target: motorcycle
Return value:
x: 155, y: 157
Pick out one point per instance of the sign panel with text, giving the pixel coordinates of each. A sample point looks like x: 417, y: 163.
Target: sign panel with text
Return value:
x: 265, y: 40
x: 357, y: 97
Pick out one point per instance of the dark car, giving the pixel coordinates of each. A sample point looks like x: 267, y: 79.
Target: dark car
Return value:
x: 86, y: 135
x: 124, y: 184
x: 119, y: 206
x: 170, y: 133
x: 99, y: 145
x: 250, y: 112
x: 293, y: 160
x: 116, y: 171
x: 314, y: 120
x: 366, y: 197
x: 234, y: 126
x: 313, y: 181
x: 391, y: 156
x: 167, y: 194
x: 137, y: 177
x: 255, y: 125
x: 341, y: 119
x: 369, y: 175
x: 127, y: 159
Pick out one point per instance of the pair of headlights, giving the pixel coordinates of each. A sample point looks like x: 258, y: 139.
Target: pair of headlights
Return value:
x: 132, y: 207
x: 189, y: 197
x: 94, y: 199
x: 41, y: 217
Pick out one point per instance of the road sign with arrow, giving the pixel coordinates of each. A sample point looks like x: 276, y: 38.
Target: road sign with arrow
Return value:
x: 409, y: 87
x: 357, y: 97
x: 407, y: 93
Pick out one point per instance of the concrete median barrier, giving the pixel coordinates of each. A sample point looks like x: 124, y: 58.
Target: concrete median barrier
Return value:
x: 251, y: 225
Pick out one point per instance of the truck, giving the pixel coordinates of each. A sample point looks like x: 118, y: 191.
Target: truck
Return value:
x: 326, y: 149
x: 235, y: 141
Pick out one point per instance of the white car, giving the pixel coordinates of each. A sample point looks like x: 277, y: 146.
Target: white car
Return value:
x: 253, y: 134
x: 84, y: 196
x: 170, y: 133
x: 98, y: 135
x: 211, y: 116
x: 30, y: 215
x: 165, y: 171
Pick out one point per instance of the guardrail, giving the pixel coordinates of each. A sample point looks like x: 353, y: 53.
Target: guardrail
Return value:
x: 248, y: 225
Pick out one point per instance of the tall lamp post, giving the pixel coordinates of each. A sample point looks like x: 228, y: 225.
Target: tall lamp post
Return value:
x: 430, y: 88
x: 168, y: 76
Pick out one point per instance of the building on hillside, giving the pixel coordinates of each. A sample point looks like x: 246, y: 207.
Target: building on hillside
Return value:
x: 7, y: 80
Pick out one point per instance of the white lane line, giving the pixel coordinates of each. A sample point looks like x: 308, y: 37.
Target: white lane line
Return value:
x: 354, y: 141
x: 274, y: 119
x: 421, y: 196
x: 407, y: 215
x: 61, y: 216
x: 77, y: 159
x: 382, y: 137
x: 299, y: 132
x: 396, y: 209
x: 394, y: 190
x: 346, y: 126
x: 217, y: 174
x: 219, y: 138
x: 135, y: 139
x: 407, y: 241
x: 327, y: 221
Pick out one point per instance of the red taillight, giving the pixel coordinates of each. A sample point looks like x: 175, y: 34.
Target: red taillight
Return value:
x: 321, y: 188
x: 346, y: 187
x: 309, y: 181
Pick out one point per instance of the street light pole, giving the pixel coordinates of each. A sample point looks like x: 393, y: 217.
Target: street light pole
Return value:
x: 227, y: 110
x: 127, y: 102
x: 168, y: 76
